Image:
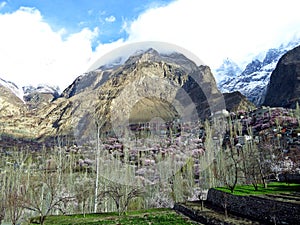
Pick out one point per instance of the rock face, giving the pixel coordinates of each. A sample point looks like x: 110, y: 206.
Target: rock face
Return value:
x: 284, y: 87
x: 148, y: 85
x: 235, y: 101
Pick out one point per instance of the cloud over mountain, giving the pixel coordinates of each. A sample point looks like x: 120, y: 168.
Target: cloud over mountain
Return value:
x: 32, y: 51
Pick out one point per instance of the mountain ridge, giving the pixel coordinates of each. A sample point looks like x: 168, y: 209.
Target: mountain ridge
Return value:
x: 253, y: 80
x: 148, y: 85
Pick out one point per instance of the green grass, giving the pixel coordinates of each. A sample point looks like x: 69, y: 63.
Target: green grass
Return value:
x: 142, y: 217
x: 273, y: 188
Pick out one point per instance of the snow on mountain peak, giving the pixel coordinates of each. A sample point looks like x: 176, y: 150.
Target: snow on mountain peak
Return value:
x: 13, y: 87
x: 228, y: 69
x: 253, y: 80
x: 26, y: 90
x: 41, y: 88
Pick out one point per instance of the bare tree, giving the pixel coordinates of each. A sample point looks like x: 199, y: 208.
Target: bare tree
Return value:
x: 250, y: 165
x: 14, y: 205
x: 43, y: 195
x: 121, y: 194
x: 83, y: 191
x: 14, y: 180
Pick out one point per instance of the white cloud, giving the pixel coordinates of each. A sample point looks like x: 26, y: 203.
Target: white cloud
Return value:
x: 2, y: 5
x: 217, y: 29
x: 110, y: 19
x: 32, y: 53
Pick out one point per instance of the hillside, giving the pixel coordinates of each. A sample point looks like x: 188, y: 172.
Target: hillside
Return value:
x: 284, y: 87
x: 147, y: 85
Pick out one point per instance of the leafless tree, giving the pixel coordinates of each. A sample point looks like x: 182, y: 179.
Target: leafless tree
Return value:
x: 14, y: 205
x: 121, y: 194
x: 43, y: 195
x: 83, y: 191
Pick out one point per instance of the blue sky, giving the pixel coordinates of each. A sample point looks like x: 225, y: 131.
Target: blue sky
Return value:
x: 54, y: 41
x: 74, y: 15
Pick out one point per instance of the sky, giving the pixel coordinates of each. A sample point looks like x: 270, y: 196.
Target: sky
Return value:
x: 54, y: 41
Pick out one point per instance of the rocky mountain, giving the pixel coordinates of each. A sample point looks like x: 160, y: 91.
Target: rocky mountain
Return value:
x: 33, y: 97
x: 235, y: 102
x: 10, y: 101
x: 253, y: 80
x: 284, y: 87
x: 40, y: 96
x: 12, y: 87
x: 146, y: 86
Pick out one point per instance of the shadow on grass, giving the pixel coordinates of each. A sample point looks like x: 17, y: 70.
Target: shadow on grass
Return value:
x: 141, y: 217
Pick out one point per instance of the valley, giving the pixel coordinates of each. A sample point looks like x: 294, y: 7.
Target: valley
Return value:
x: 151, y: 132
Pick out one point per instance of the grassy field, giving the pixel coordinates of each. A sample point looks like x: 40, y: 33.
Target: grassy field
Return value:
x: 143, y: 217
x: 273, y: 188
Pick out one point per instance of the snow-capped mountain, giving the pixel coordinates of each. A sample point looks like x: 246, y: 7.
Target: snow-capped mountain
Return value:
x: 13, y: 87
x: 253, y: 80
x: 27, y: 90
x: 33, y: 97
x: 227, y: 70
x: 42, y: 88
x: 38, y: 97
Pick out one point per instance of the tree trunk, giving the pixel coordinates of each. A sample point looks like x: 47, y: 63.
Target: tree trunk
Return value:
x: 42, y: 219
x: 97, y: 169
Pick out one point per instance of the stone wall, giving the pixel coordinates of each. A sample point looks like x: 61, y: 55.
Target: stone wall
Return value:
x: 293, y: 178
x: 255, y: 207
x: 196, y: 216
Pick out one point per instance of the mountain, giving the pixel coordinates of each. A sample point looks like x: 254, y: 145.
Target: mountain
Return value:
x: 40, y: 96
x: 284, y: 87
x: 10, y: 99
x: 33, y: 97
x: 229, y: 69
x: 20, y: 111
x: 148, y: 85
x: 235, y: 102
x: 12, y: 87
x: 253, y: 80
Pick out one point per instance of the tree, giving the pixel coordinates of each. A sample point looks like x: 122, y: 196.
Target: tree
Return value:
x: 2, y: 210
x: 43, y: 195
x: 183, y: 183
x: 14, y: 180
x: 250, y: 164
x: 83, y: 191
x: 227, y: 162
x: 297, y: 112
x: 121, y: 194
x: 230, y: 175
x: 14, y: 204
